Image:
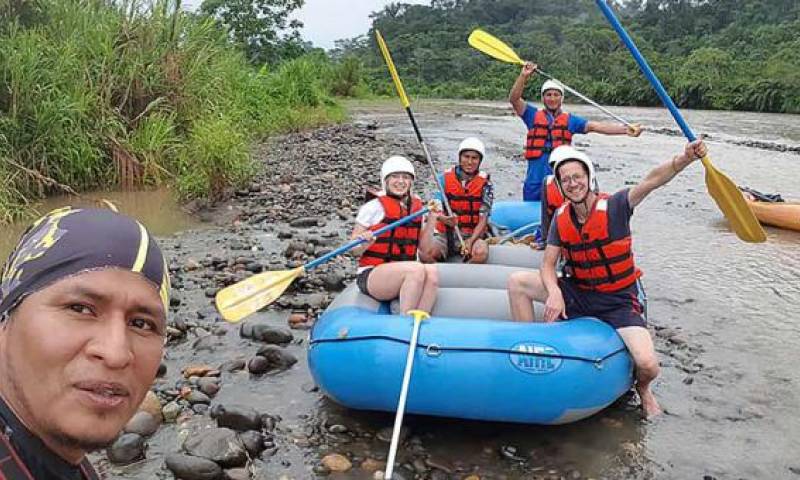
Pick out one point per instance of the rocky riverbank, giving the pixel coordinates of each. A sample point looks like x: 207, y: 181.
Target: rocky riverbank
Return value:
x: 236, y: 401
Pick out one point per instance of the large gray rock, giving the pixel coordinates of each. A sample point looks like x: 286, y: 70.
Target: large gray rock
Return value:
x: 187, y: 467
x: 266, y: 333
x: 277, y: 358
x: 237, y: 417
x: 220, y: 445
x: 142, y: 423
x: 127, y: 448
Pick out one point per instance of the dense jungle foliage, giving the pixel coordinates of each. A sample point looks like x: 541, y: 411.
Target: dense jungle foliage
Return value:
x: 712, y: 54
x: 99, y: 94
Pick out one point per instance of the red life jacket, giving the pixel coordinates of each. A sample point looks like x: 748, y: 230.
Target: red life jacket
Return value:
x: 557, y: 133
x: 400, y: 244
x: 552, y: 195
x: 596, y: 261
x: 465, y: 201
x: 12, y: 467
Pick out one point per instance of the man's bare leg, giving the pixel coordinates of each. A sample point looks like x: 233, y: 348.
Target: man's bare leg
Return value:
x: 524, y: 288
x: 640, y: 346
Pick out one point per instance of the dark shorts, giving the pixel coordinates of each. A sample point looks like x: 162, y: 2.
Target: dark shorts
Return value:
x: 362, y: 279
x: 626, y: 308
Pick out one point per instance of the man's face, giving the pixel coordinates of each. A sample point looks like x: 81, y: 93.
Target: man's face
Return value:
x: 574, y: 181
x: 77, y: 358
x: 469, y: 161
x: 552, y: 99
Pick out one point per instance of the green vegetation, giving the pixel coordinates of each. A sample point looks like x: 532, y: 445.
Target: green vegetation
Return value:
x: 716, y: 54
x: 96, y: 94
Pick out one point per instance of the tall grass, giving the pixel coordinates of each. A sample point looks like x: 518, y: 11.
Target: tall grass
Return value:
x: 95, y: 94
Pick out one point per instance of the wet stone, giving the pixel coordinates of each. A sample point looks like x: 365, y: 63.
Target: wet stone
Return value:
x: 209, y: 385
x: 237, y: 474
x: 142, y: 423
x: 127, y: 448
x: 336, y: 462
x: 220, y: 445
x: 337, y: 429
x: 171, y: 411
x: 188, y: 467
x: 237, y: 417
x: 277, y: 358
x: 233, y: 365
x: 266, y: 333
x: 253, y: 442
x: 196, y: 396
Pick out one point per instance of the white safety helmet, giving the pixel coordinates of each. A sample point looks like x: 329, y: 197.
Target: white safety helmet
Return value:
x: 566, y: 153
x: 396, y: 164
x: 472, y: 143
x: 552, y: 85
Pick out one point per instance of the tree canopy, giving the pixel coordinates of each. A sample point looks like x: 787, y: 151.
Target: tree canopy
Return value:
x: 718, y: 54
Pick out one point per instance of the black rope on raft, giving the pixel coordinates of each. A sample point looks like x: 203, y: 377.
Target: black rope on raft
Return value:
x: 438, y: 348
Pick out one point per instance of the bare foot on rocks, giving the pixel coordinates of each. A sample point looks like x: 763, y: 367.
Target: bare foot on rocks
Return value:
x: 650, y: 406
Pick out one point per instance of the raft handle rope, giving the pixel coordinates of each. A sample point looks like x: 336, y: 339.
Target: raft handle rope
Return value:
x: 438, y: 349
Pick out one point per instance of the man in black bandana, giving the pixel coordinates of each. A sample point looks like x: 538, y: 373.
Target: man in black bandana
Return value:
x: 83, y: 302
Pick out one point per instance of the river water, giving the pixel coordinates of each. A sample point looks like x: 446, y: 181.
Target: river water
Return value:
x: 725, y: 311
x: 735, y: 302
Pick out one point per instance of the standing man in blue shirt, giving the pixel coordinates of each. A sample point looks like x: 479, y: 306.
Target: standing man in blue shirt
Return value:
x: 550, y: 127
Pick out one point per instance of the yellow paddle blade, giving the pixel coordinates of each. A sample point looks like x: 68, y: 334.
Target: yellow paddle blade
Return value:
x: 393, y: 71
x: 252, y: 294
x: 733, y: 205
x: 493, y: 46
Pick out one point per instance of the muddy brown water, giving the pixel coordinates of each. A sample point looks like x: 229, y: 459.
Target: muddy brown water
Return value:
x: 729, y: 381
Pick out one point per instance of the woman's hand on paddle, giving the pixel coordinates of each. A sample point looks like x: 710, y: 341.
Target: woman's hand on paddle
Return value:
x: 367, y: 236
x: 554, y: 307
x: 695, y: 150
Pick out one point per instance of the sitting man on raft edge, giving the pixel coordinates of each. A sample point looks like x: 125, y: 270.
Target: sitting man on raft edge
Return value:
x: 83, y: 304
x: 470, y: 195
x: 388, y: 267
x: 591, y: 232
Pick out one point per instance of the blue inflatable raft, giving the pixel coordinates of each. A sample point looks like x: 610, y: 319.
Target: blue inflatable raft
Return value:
x: 510, y: 216
x: 471, y: 361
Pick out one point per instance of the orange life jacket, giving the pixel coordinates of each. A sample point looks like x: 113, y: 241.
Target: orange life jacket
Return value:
x: 12, y: 467
x: 557, y: 133
x: 397, y: 245
x: 552, y: 195
x: 465, y: 201
x: 596, y: 261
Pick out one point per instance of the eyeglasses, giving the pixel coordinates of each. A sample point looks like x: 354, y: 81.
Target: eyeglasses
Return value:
x: 578, y: 177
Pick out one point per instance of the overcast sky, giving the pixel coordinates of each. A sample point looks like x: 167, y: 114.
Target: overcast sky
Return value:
x: 329, y: 20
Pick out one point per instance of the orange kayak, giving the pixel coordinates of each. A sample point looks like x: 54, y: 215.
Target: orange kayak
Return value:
x: 778, y: 214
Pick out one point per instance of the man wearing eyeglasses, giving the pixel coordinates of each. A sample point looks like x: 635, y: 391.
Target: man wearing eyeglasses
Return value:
x: 591, y: 232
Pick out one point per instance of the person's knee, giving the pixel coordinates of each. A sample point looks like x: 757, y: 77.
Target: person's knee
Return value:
x: 432, y: 276
x: 480, y: 252
x: 431, y: 254
x: 519, y: 283
x: 647, y: 368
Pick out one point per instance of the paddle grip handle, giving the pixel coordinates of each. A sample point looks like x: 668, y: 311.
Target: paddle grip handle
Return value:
x: 648, y: 72
x: 354, y: 243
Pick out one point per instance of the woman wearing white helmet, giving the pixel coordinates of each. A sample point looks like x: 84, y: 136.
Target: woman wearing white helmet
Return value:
x: 550, y: 127
x: 591, y: 232
x: 388, y: 266
x: 470, y: 195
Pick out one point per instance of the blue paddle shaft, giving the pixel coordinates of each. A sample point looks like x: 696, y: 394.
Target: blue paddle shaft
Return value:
x: 648, y: 72
x: 353, y: 244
